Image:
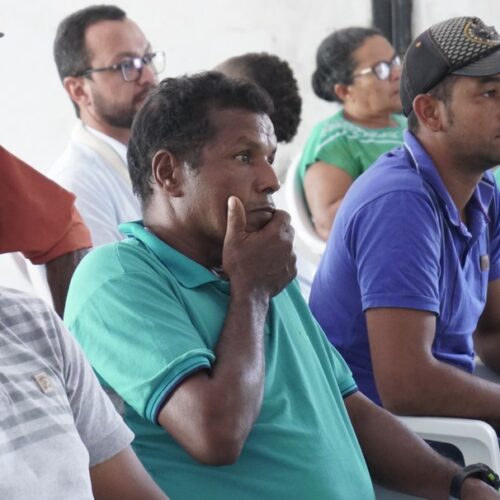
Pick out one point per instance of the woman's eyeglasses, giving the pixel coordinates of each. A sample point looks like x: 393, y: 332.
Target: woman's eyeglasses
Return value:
x: 382, y: 69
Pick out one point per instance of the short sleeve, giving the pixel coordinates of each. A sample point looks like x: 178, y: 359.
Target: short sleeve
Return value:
x: 495, y: 237
x: 37, y: 217
x: 142, y: 344
x: 337, y: 152
x: 393, y: 243
x: 100, y: 427
x: 343, y: 374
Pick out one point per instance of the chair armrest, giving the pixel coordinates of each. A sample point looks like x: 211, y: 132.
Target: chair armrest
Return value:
x: 476, y: 439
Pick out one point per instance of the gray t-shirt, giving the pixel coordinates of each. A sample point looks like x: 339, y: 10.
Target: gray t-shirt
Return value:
x: 55, y: 420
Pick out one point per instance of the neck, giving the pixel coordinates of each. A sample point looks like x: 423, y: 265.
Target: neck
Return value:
x: 118, y: 133
x: 460, y: 179
x: 382, y: 120
x: 175, y: 235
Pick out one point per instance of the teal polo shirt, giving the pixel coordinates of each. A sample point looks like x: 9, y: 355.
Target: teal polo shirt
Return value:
x: 147, y: 317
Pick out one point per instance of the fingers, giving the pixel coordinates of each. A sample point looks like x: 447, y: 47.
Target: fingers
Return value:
x: 282, y: 221
x: 236, y: 217
x: 262, y: 259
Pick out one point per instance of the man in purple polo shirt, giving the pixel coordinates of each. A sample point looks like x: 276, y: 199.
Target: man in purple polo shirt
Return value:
x: 408, y: 289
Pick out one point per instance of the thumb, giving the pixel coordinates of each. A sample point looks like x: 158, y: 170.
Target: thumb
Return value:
x: 236, y: 217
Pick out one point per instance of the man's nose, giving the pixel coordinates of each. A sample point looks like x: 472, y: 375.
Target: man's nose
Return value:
x: 268, y: 180
x: 148, y: 75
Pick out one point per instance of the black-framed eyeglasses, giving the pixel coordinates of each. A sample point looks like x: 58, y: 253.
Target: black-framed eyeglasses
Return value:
x: 131, y: 67
x: 382, y: 69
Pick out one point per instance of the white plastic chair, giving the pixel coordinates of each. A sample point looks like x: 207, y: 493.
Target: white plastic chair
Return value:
x: 18, y: 272
x: 308, y: 242
x: 309, y: 247
x: 13, y: 272
x: 476, y: 440
x: 38, y: 277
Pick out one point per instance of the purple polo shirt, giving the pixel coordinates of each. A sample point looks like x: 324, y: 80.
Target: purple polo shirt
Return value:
x: 398, y: 241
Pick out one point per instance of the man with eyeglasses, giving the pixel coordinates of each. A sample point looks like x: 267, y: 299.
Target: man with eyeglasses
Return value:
x: 409, y: 286
x: 107, y: 67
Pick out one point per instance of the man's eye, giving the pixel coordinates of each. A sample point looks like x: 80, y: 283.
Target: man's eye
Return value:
x: 270, y: 159
x: 243, y: 157
x: 490, y: 93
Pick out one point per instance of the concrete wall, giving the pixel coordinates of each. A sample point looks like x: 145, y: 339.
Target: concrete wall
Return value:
x: 36, y: 117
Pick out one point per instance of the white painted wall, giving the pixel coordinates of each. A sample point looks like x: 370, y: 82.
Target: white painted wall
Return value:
x: 36, y: 116
x: 195, y: 35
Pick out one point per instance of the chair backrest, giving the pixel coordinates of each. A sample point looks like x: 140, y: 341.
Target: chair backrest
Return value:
x: 14, y: 273
x: 38, y: 277
x: 310, y: 244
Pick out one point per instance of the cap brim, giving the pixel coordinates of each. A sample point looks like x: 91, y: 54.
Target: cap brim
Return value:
x: 487, y: 66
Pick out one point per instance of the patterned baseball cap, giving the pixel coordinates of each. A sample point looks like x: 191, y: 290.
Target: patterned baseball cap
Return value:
x: 459, y: 46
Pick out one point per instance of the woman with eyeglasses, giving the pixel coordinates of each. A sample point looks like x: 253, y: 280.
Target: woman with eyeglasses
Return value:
x: 358, y: 68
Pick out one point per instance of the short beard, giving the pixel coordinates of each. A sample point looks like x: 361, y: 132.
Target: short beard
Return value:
x: 120, y: 117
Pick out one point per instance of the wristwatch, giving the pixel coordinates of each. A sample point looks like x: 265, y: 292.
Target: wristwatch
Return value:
x: 481, y: 471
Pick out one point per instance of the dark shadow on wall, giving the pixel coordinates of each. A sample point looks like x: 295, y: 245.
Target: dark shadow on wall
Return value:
x: 394, y: 19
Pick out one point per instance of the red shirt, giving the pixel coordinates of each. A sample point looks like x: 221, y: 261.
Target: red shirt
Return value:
x: 37, y: 216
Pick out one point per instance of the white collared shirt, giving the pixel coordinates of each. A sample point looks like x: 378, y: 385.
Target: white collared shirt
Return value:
x: 118, y: 147
x: 103, y: 192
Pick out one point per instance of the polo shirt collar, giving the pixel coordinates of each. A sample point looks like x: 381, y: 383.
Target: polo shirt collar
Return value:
x: 422, y: 162
x: 187, y: 272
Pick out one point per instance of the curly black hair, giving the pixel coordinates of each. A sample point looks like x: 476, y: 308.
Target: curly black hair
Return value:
x: 276, y: 77
x: 334, y: 61
x: 176, y: 116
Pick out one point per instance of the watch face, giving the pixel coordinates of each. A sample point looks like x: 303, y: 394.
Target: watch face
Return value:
x: 487, y: 475
x: 481, y: 471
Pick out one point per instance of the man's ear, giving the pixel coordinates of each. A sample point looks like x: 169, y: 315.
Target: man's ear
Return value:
x: 168, y: 172
x: 76, y: 88
x: 430, y: 112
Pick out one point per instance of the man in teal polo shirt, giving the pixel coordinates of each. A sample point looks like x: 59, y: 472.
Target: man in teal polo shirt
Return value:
x: 195, y: 321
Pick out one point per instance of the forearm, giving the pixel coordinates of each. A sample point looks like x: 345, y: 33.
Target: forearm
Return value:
x: 59, y: 273
x: 323, y: 219
x: 212, y: 412
x: 325, y: 186
x: 396, y: 457
x: 123, y: 477
x: 436, y: 388
x: 237, y: 379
